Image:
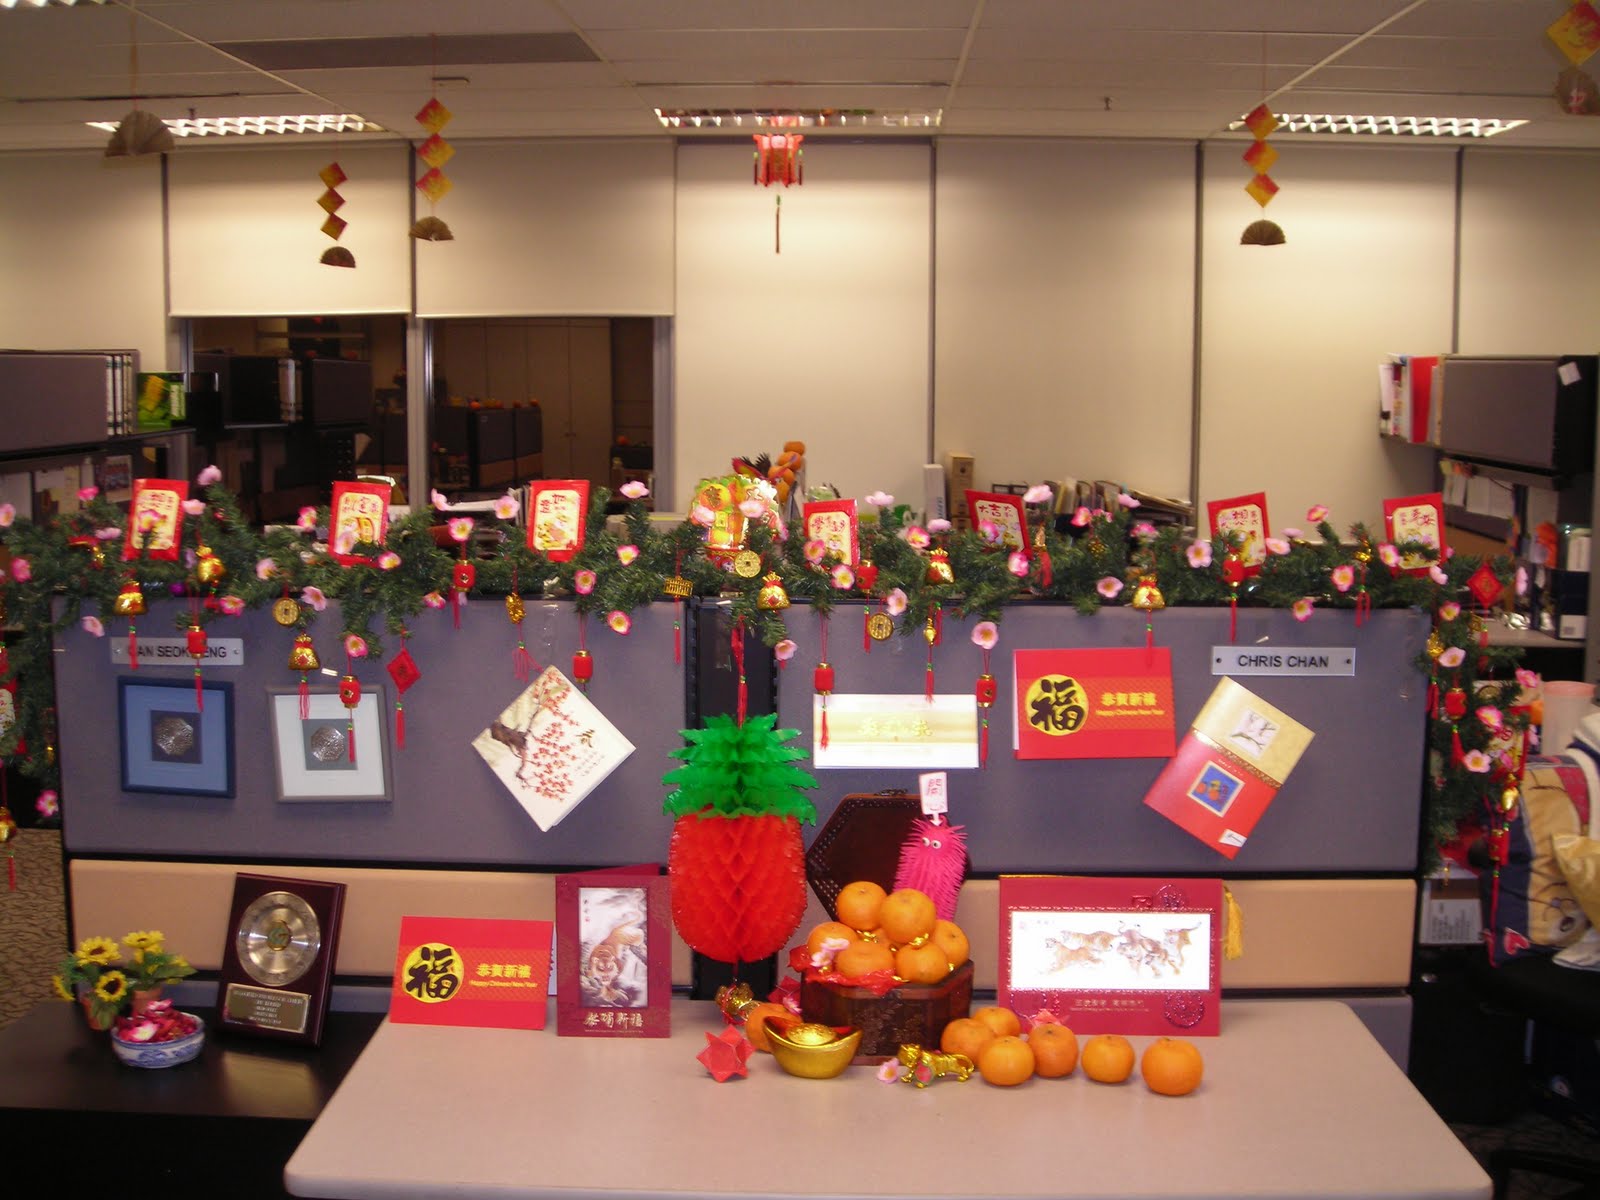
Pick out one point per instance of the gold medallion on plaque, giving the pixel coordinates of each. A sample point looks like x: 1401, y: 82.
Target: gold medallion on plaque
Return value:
x: 747, y: 564
x: 880, y: 627
x: 286, y: 612
x: 278, y: 938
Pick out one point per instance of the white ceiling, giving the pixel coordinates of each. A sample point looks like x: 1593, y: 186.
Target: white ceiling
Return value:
x: 998, y: 68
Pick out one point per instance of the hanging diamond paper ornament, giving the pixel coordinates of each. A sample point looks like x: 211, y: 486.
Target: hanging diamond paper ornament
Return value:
x: 1259, y: 158
x: 1576, y: 32
x: 331, y: 202
x: 433, y: 183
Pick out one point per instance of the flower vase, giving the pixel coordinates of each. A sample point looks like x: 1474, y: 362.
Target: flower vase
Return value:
x: 87, y: 1000
x: 143, y: 998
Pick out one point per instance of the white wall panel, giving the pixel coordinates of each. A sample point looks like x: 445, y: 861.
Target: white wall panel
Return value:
x: 1065, y: 287
x: 1530, y: 260
x: 825, y: 342
x: 552, y: 229
x: 246, y: 231
x: 81, y: 255
x: 1292, y: 335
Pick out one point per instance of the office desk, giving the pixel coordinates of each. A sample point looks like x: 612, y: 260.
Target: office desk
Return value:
x: 1298, y: 1100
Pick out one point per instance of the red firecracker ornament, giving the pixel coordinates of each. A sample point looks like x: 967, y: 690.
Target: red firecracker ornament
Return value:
x: 350, y: 697
x: 195, y: 644
x: 582, y: 667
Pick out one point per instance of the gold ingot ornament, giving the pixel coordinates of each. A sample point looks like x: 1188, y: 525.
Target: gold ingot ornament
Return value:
x: 812, y: 1051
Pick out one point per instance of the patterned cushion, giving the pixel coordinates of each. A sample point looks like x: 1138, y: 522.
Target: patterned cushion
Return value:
x: 1530, y: 909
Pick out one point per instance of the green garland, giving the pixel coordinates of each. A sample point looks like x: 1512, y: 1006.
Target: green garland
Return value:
x: 1101, y: 558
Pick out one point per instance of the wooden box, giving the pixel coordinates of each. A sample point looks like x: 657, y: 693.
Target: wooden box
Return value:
x: 914, y: 1013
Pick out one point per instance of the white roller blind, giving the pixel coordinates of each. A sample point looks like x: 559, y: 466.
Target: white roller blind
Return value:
x: 552, y: 229
x: 826, y: 342
x: 246, y: 237
x: 82, y: 255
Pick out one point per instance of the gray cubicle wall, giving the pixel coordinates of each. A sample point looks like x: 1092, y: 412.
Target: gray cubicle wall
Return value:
x: 445, y: 805
x: 1352, y: 805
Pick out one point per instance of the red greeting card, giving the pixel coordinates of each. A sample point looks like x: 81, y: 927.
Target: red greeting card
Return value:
x: 833, y: 523
x: 155, y: 518
x: 1113, y: 703
x: 1229, y: 767
x: 1128, y: 956
x: 1246, y: 518
x: 557, y: 512
x: 614, y: 958
x: 1416, y: 519
x: 1005, y: 512
x: 359, y: 514
x: 478, y: 971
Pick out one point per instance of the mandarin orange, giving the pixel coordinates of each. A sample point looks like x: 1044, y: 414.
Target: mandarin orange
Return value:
x: 1055, y: 1050
x: 923, y: 963
x: 1171, y: 1066
x: 1003, y: 1021
x: 952, y: 940
x: 826, y: 930
x: 1107, y: 1058
x: 863, y: 958
x: 966, y: 1036
x: 858, y: 904
x: 1006, y: 1062
x: 907, y: 915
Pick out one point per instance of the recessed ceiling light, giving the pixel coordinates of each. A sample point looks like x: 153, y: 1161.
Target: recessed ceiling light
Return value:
x: 260, y: 126
x: 1368, y: 126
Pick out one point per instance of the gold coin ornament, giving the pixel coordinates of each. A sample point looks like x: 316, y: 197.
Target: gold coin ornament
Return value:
x: 286, y: 612
x: 880, y: 627
x: 747, y: 564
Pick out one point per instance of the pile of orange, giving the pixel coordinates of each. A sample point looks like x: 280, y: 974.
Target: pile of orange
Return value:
x: 992, y: 1038
x: 897, y: 931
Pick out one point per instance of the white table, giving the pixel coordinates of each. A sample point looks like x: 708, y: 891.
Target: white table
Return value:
x: 1298, y: 1100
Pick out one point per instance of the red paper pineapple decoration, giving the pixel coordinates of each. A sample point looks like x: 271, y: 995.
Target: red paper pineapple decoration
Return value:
x: 736, y: 860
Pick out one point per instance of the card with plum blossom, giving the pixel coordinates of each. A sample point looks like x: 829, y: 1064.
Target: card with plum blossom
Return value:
x: 551, y: 747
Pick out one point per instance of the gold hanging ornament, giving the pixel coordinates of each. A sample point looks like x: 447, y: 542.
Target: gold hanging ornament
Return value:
x: 331, y: 202
x: 1259, y: 158
x: 772, y: 595
x: 303, y: 658
x: 521, y: 660
x: 1147, y: 598
x: 939, y: 570
x: 130, y: 603
x: 434, y: 183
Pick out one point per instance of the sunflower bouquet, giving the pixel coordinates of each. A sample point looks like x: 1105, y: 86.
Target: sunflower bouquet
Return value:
x: 97, y: 974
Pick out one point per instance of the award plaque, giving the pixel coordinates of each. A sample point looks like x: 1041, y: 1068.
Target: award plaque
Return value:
x: 277, y: 965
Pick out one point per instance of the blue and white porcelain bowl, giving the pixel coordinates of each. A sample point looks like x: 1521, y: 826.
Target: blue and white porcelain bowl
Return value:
x: 161, y: 1054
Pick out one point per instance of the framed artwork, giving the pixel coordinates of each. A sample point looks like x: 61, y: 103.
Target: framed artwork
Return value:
x: 313, y: 755
x: 155, y: 519
x: 359, y: 516
x: 172, y: 744
x: 1416, y: 519
x: 613, y: 955
x: 1128, y: 956
x: 1245, y: 516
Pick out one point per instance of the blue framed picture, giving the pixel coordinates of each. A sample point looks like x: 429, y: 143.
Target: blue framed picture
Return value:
x: 170, y: 742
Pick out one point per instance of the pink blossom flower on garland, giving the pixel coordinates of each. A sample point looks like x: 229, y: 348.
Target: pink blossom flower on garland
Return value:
x: 634, y: 490
x: 460, y: 528
x: 986, y: 634
x: 1527, y: 678
x: 48, y: 803
x: 1519, y: 580
x: 619, y: 621
x: 895, y: 602
x: 784, y: 650
x: 938, y: 525
x: 1017, y: 564
x: 1436, y: 573
x: 843, y: 577
x: 355, y: 645
x: 1343, y: 577
x: 880, y: 499
x: 701, y: 515
x: 437, y: 500
x: 1477, y: 762
x: 93, y: 627
x: 8, y: 514
x: 313, y: 596
x: 1199, y: 554
x: 231, y: 605
x: 815, y: 550
x: 208, y: 475
x: 889, y: 1071
x: 626, y: 554
x: 1277, y: 546
x: 1039, y: 493
x: 1109, y: 586
x: 1452, y: 658
x: 1302, y: 608
x: 1080, y: 517
x: 388, y: 560
x: 86, y: 494
x: 1292, y: 533
x: 266, y: 568
x: 433, y: 600
x: 1126, y: 500
x: 507, y: 507
x: 917, y: 537
x: 1491, y: 718
x: 1388, y: 555
x: 752, y: 509
x: 194, y: 508
x: 989, y: 532
x: 1449, y: 611
x: 21, y: 570
x: 1143, y: 530
x: 110, y: 533
x: 307, y: 520
x: 583, y: 581
x: 1317, y: 514
x: 345, y: 542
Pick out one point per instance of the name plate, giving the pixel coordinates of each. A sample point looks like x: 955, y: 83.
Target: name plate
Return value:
x: 174, y: 652
x: 1283, y: 660
x: 267, y: 1008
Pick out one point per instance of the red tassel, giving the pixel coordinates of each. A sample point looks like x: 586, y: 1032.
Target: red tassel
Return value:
x: 199, y: 692
x: 11, y: 870
x: 350, y: 737
x: 133, y: 647
x: 824, y: 722
x: 738, y: 660
x: 983, y: 743
x: 927, y: 677
x: 305, y: 698
x: 400, y: 724
x: 1433, y: 697
x: 677, y: 634
x: 866, y: 638
x: 1046, y: 574
x: 522, y: 662
x: 1233, y: 618
x: 1456, y: 752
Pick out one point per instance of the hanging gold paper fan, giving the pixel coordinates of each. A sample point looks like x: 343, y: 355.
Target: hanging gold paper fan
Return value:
x: 338, y: 256
x: 1262, y: 233
x: 140, y: 132
x: 432, y: 229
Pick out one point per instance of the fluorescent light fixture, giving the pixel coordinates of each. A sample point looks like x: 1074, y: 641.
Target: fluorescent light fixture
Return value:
x: 260, y: 126
x: 1448, y: 127
x: 46, y: 3
x: 713, y: 119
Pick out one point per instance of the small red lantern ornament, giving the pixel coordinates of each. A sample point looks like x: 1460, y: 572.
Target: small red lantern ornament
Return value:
x: 822, y: 678
x: 778, y: 160
x: 350, y: 696
x: 130, y: 603
x: 583, y: 668
x: 1233, y: 576
x: 462, y: 578
x: 195, y: 643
